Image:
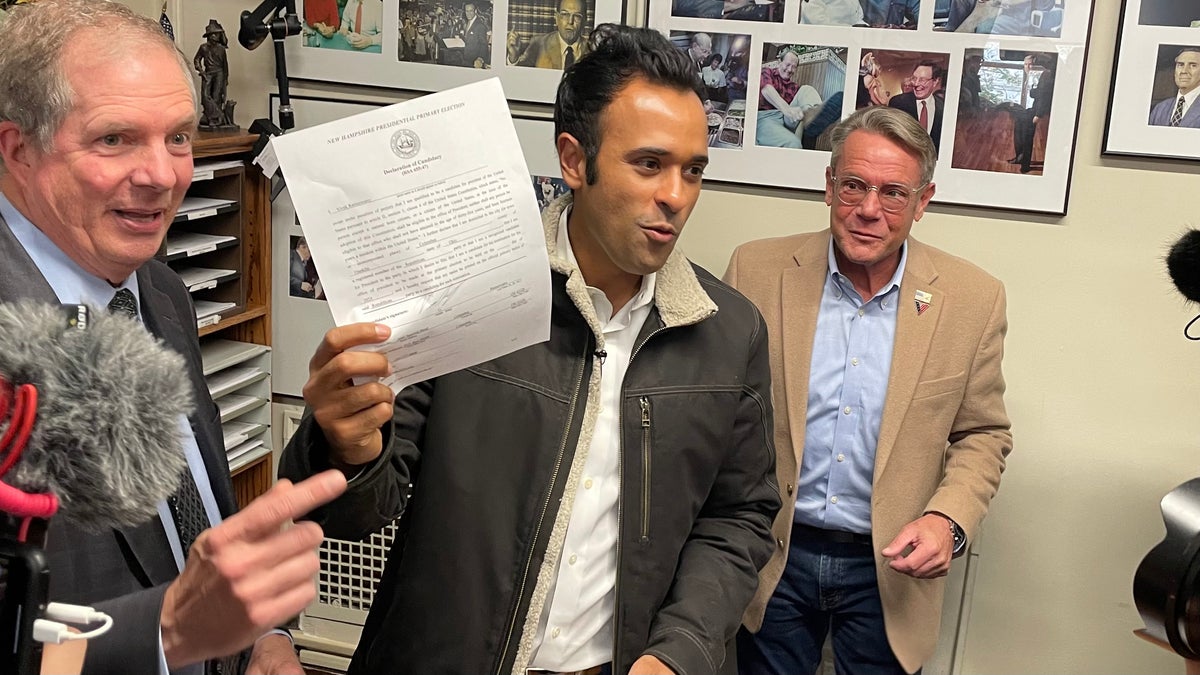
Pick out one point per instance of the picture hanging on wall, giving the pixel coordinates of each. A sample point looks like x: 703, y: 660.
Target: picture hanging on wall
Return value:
x: 997, y: 85
x: 1156, y: 81
x: 431, y: 45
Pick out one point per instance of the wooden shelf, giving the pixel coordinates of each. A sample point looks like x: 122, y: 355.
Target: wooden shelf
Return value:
x: 250, y: 320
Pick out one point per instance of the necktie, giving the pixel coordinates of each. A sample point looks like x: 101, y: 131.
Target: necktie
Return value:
x: 187, y: 510
x: 568, y: 58
x: 1178, y: 114
x: 924, y: 119
x: 358, y: 18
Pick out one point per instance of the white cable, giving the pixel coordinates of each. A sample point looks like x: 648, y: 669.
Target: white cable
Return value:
x: 54, y: 629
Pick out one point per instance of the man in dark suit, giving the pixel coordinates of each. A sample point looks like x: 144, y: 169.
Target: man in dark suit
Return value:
x: 1181, y: 110
x: 922, y: 102
x: 475, y: 34
x: 1025, y: 121
x: 559, y: 48
x: 88, y: 187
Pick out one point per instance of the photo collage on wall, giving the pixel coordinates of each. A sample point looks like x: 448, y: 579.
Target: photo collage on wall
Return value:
x: 1156, y: 81
x: 431, y: 45
x: 996, y: 84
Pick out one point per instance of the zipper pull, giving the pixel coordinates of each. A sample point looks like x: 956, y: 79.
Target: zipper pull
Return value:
x: 645, y: 403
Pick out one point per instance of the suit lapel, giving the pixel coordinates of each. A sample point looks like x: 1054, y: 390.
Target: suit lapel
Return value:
x: 914, y: 334
x: 800, y: 295
x: 21, y: 278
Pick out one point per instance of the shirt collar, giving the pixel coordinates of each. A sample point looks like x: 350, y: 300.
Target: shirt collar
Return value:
x: 836, y: 273
x: 1189, y: 98
x: 644, y: 296
x: 70, y: 282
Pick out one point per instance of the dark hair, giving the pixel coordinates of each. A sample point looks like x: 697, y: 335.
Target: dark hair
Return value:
x: 715, y: 58
x: 939, y: 73
x: 616, y: 56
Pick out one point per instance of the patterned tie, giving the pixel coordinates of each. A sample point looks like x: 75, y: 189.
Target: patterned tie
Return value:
x: 1178, y: 114
x: 187, y: 510
x: 924, y: 119
x: 568, y: 58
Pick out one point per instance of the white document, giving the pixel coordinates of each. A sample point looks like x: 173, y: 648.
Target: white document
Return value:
x: 420, y: 216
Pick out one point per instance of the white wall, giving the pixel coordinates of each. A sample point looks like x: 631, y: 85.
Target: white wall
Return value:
x: 1104, y: 392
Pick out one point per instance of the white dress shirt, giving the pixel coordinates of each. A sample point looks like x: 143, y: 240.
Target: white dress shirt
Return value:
x: 576, y: 630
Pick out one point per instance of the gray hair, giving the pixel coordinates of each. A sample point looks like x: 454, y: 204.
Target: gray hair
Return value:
x: 893, y: 124
x: 37, y: 96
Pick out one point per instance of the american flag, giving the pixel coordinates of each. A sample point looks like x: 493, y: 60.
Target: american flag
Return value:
x: 165, y: 22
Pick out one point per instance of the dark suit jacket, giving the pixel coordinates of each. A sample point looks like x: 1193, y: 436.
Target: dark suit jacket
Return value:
x: 544, y: 51
x: 124, y: 572
x: 476, y: 41
x: 908, y: 103
x: 1160, y: 115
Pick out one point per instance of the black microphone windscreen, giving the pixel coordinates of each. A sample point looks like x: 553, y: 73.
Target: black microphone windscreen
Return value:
x: 1183, y: 264
x: 107, y: 440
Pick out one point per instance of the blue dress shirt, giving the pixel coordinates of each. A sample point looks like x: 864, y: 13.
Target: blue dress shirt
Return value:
x: 847, y: 386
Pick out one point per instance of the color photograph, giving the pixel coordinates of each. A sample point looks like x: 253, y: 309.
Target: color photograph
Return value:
x: 348, y: 25
x: 1032, y: 18
x: 1185, y: 13
x: 914, y: 82
x: 720, y: 60
x: 901, y: 14
x: 800, y: 94
x: 1004, y: 106
x: 735, y: 10
x: 548, y: 33
x: 1176, y: 81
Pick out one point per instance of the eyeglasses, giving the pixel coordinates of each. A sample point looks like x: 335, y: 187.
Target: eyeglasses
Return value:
x: 893, y: 197
x: 922, y: 80
x: 573, y: 17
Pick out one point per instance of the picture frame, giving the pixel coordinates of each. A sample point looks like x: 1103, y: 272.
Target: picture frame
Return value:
x: 830, y: 57
x: 301, y: 319
x: 1157, y: 58
x: 431, y: 45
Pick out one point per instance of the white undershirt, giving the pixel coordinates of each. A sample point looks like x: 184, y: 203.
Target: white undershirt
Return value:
x: 576, y: 630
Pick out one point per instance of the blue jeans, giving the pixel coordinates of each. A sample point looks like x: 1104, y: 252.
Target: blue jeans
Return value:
x: 825, y: 586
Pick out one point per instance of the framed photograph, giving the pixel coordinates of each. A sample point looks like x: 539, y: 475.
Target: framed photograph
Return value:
x: 995, y: 83
x: 431, y: 45
x: 300, y: 320
x: 1156, y: 81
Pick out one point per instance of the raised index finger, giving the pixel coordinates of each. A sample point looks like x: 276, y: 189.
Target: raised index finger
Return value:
x: 341, y: 338
x: 282, y: 503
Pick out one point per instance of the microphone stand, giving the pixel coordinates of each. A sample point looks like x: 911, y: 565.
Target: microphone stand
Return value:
x: 278, y: 19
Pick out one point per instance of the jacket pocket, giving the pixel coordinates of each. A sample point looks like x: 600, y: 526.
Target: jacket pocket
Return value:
x: 940, y: 385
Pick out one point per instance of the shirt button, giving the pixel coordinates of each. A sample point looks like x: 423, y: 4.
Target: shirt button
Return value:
x: 832, y: 500
x: 861, y: 311
x: 846, y: 410
x: 789, y: 489
x: 555, y: 632
x: 841, y: 457
x: 587, y: 484
x: 572, y: 559
x: 854, y: 362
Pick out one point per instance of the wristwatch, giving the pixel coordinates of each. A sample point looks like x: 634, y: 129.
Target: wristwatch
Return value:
x: 960, y: 537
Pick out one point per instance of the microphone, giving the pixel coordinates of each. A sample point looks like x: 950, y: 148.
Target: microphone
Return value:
x: 1183, y: 264
x: 106, y: 440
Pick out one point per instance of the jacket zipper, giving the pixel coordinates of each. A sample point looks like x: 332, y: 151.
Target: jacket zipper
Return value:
x: 545, y: 507
x: 620, y: 515
x: 645, y: 403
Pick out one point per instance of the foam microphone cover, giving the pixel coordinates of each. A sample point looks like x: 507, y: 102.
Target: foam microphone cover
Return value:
x: 1183, y: 264
x: 107, y: 439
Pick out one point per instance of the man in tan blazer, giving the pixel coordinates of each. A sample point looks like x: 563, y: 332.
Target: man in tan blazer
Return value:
x: 890, y: 427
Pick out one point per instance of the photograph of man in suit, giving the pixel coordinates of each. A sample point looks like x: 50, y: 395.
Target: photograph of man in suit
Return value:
x: 890, y: 426
x: 1181, y: 110
x: 476, y: 36
x: 559, y: 48
x: 88, y: 187
x: 922, y: 102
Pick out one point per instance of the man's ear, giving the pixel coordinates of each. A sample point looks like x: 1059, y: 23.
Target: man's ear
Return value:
x: 572, y: 161
x: 15, y: 148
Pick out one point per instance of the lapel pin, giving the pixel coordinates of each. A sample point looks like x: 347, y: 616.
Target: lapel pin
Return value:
x: 923, y: 299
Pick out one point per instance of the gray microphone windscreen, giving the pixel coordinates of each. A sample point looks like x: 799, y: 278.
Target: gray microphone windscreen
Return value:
x: 107, y: 440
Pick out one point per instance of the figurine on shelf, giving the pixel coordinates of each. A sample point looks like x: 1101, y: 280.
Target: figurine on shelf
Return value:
x: 213, y: 66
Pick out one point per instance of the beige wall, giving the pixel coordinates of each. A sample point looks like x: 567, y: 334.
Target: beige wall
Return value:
x: 1104, y: 392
